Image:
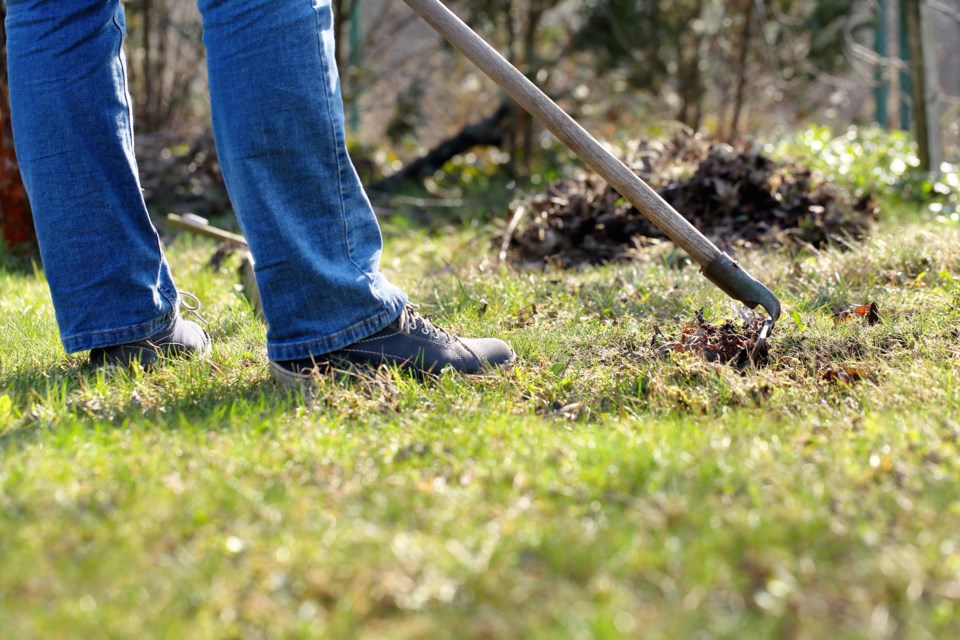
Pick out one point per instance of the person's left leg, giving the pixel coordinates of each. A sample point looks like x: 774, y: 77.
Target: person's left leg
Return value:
x: 279, y: 125
x: 278, y: 120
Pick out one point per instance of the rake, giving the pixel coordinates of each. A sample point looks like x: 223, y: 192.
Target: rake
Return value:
x: 717, y: 266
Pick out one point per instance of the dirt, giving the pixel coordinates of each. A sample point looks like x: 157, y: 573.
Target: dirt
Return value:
x: 737, y: 196
x: 741, y: 345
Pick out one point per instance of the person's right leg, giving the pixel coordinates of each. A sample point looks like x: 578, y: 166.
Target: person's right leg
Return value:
x: 73, y: 131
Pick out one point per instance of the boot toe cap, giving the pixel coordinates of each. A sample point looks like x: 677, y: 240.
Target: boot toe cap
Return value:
x: 491, y: 352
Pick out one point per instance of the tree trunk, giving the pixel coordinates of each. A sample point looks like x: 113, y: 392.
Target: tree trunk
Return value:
x: 918, y: 81
x: 690, y: 77
x: 742, y: 71
x: 149, y: 69
x: 341, y: 16
x: 15, y: 219
x: 525, y: 127
x: 931, y: 61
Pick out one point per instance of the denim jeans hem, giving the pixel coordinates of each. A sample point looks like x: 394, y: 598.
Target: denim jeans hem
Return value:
x: 359, y: 331
x: 113, y: 337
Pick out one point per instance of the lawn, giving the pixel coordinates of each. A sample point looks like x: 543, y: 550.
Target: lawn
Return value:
x: 597, y: 490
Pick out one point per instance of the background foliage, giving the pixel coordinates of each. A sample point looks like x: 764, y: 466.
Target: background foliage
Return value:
x: 726, y: 68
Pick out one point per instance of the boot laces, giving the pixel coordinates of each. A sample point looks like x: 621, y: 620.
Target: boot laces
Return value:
x: 411, y: 321
x: 191, y: 303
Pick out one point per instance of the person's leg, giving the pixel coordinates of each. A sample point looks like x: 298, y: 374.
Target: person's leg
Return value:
x: 73, y: 132
x: 278, y: 121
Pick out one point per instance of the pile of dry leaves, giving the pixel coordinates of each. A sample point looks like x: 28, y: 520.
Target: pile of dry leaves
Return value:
x: 733, y: 195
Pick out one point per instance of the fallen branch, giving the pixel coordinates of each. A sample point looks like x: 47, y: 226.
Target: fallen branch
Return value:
x: 488, y: 132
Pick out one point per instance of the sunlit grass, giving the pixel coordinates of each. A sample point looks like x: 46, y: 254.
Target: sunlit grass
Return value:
x: 596, y: 490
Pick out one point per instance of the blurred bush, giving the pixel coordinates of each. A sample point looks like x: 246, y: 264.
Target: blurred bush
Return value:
x: 870, y: 159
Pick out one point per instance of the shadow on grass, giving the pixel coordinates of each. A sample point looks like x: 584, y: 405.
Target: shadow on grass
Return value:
x: 74, y: 395
x: 25, y: 262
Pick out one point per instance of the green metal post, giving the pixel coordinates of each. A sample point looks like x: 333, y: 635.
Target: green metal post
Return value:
x: 881, y: 89
x: 356, y: 56
x: 906, y: 89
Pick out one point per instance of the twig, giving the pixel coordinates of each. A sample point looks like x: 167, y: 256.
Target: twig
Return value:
x: 518, y: 216
x: 944, y: 8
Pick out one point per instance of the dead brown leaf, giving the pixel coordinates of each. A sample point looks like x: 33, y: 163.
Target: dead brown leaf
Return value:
x: 870, y: 312
x: 846, y: 375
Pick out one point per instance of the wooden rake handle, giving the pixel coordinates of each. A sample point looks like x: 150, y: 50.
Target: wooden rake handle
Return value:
x: 717, y: 266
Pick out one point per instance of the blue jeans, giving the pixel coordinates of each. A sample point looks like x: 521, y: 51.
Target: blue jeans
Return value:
x: 279, y: 127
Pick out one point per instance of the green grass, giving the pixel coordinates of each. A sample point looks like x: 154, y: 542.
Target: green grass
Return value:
x: 593, y: 491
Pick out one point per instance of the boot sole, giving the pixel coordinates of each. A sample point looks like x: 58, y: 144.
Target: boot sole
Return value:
x: 290, y: 380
